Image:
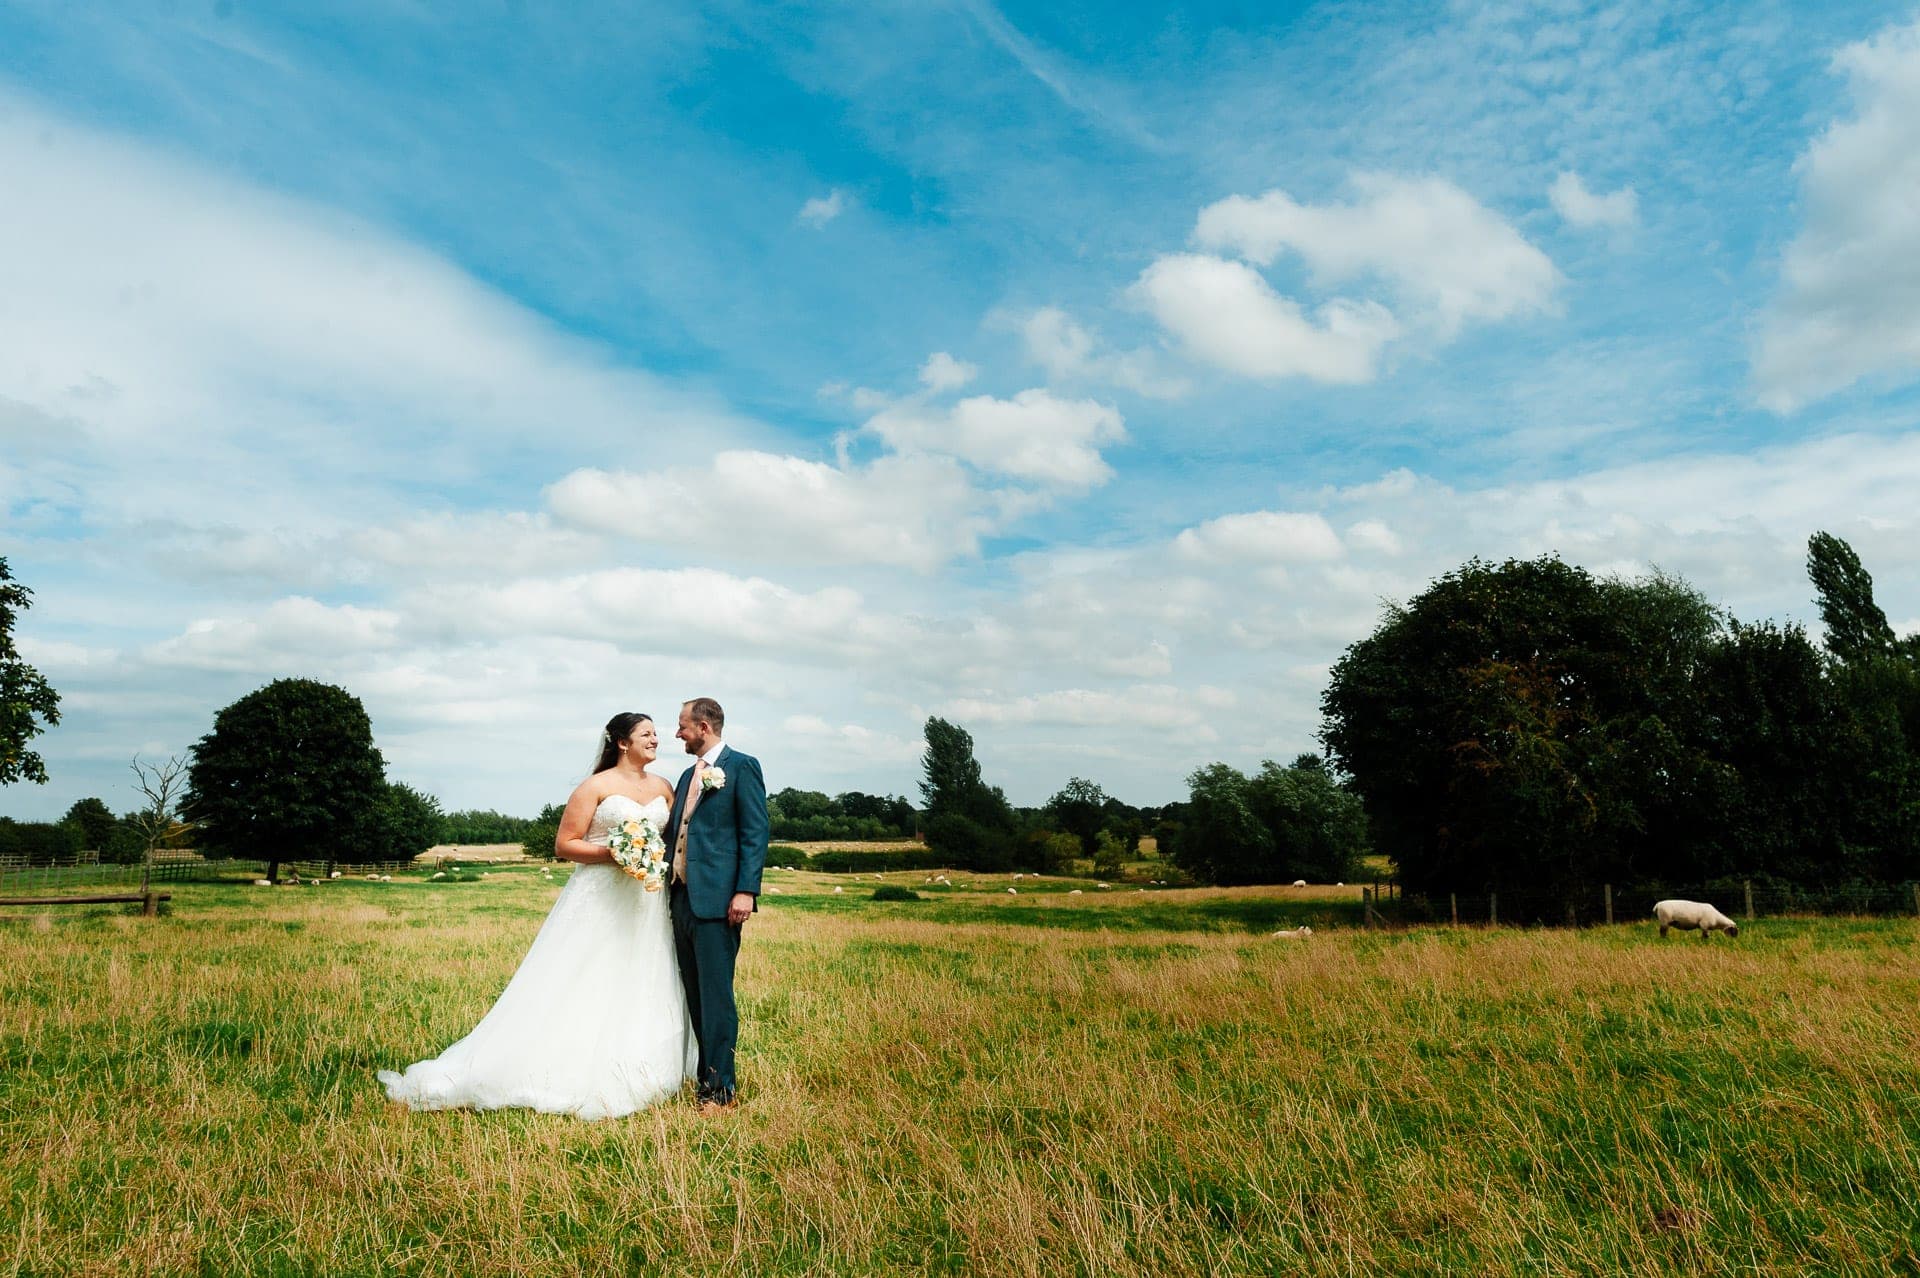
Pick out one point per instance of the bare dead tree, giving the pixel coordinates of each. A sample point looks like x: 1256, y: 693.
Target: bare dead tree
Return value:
x: 157, y: 824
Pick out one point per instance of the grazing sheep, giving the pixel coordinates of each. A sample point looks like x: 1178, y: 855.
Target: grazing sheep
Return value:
x: 1013, y: 891
x: 263, y: 882
x: 441, y: 874
x: 1299, y: 882
x: 1687, y: 915
x: 334, y: 875
x: 1295, y: 933
x: 1075, y: 892
x: 839, y: 889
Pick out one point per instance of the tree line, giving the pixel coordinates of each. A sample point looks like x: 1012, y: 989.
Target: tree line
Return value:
x: 1521, y: 723
x: 1529, y: 723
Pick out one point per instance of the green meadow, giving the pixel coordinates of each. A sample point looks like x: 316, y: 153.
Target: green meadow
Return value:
x: 1114, y: 1082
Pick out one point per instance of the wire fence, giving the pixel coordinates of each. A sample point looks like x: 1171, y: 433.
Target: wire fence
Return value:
x: 1739, y: 899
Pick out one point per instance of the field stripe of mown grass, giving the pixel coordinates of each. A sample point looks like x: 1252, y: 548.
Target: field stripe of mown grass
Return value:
x: 980, y: 1094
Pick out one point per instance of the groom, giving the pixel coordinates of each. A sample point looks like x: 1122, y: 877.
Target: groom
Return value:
x: 718, y: 836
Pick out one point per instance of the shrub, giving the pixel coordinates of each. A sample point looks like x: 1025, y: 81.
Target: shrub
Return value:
x: 849, y: 861
x: 892, y: 892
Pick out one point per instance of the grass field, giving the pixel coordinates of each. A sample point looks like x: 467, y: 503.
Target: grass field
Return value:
x: 977, y: 1082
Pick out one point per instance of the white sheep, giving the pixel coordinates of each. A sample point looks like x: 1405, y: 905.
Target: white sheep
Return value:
x: 1295, y: 933
x: 1687, y: 915
x: 1299, y: 882
x: 1075, y: 892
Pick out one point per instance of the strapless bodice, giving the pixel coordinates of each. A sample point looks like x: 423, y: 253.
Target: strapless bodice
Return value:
x: 616, y: 808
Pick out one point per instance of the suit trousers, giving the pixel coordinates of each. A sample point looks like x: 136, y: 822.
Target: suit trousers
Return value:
x: 707, y: 949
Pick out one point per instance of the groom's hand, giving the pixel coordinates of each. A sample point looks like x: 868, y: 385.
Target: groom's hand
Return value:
x: 740, y: 908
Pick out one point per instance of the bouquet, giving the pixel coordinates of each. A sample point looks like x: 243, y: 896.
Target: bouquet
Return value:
x: 639, y: 850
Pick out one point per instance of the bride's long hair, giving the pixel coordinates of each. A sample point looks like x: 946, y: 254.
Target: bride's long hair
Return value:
x: 615, y: 735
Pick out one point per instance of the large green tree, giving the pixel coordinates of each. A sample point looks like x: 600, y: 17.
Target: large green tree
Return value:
x: 28, y: 703
x: 289, y: 772
x: 95, y: 822
x: 1080, y: 809
x: 1281, y: 824
x: 1525, y: 723
x: 967, y: 819
x: 410, y: 821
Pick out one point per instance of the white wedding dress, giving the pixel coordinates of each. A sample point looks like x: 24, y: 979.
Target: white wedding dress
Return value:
x: 594, y: 1022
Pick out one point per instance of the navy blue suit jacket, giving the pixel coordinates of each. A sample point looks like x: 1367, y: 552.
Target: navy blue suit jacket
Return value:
x: 727, y: 837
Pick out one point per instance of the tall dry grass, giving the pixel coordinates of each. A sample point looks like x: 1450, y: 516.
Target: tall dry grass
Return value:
x: 984, y: 1083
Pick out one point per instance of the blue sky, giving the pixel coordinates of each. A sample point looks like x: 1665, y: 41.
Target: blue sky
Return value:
x: 1084, y: 374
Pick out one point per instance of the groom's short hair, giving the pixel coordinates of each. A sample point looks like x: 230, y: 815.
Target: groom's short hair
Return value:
x: 706, y: 710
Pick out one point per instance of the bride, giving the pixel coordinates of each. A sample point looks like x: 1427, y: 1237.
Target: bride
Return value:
x: 594, y: 1023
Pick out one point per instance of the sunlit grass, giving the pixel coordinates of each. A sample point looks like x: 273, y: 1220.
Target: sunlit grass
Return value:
x: 976, y: 1082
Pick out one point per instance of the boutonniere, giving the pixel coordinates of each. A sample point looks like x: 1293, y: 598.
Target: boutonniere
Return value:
x: 712, y: 779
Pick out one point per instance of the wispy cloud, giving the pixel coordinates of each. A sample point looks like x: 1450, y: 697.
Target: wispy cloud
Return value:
x: 1581, y: 208
x: 1849, y: 303
x: 822, y: 209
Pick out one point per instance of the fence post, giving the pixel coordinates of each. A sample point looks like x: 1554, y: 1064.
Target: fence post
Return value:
x: 1493, y: 909
x: 1749, y: 887
x: 1916, y: 898
x: 1366, y: 906
x: 1453, y: 904
x: 1609, y: 888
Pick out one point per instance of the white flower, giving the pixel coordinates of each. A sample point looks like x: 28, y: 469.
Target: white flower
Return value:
x: 713, y: 778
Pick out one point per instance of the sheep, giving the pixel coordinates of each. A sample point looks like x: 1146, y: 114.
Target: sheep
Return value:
x: 1075, y: 892
x: 1299, y: 882
x: 1686, y: 915
x: 1295, y: 933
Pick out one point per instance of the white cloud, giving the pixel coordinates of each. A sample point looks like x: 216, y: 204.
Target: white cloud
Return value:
x: 1446, y: 257
x: 821, y: 210
x: 942, y: 372
x: 666, y: 611
x: 913, y: 512
x: 1069, y: 351
x: 1034, y: 436
x: 1578, y: 206
x: 1849, y: 304
x: 291, y: 633
x: 1145, y: 708
x: 170, y: 319
x: 1229, y: 316
x: 1262, y: 537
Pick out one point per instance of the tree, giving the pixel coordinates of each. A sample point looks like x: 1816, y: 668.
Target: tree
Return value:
x: 410, y: 822
x: 95, y: 822
x: 1318, y: 826
x: 288, y: 772
x: 1222, y: 840
x: 967, y: 819
x: 157, y: 824
x: 1526, y: 723
x: 544, y: 832
x: 28, y: 703
x: 1080, y: 810
x: 1856, y: 628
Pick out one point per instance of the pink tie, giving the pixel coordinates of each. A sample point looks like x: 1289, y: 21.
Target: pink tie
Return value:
x: 686, y: 818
